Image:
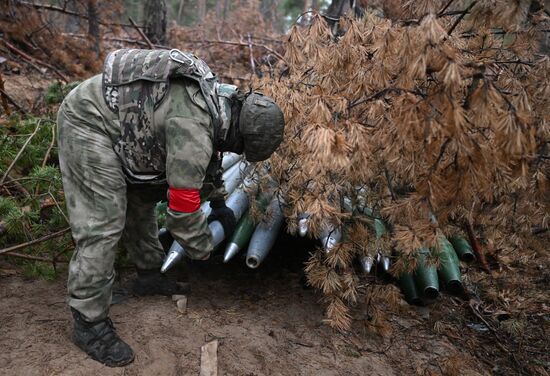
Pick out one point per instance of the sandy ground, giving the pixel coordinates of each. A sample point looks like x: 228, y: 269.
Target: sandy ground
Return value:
x: 266, y: 321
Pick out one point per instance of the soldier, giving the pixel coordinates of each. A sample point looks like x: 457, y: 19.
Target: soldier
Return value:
x: 153, y: 122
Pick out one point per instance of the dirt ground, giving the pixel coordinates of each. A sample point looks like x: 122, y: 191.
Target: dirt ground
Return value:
x: 267, y: 322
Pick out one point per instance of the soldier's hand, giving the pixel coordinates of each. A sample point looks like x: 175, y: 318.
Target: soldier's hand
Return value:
x: 220, y: 212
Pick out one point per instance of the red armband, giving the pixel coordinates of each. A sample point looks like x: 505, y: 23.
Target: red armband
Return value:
x: 184, y: 200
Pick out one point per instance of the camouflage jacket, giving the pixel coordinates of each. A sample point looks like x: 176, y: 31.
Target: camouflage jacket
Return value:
x: 135, y: 83
x: 182, y: 128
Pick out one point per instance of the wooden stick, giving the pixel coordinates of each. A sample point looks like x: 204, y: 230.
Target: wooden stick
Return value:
x: 142, y: 34
x: 20, y: 152
x: 4, y: 97
x: 445, y: 8
x: 12, y: 101
x: 240, y: 44
x: 47, y: 156
x: 58, y: 207
x: 16, y: 185
x: 33, y: 60
x: 125, y: 40
x: 36, y: 241
x: 455, y: 24
x: 28, y: 257
x: 252, y: 64
x: 476, y: 247
x: 69, y: 12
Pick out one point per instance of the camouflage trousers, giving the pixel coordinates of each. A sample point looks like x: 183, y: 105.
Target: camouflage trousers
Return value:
x: 102, y: 209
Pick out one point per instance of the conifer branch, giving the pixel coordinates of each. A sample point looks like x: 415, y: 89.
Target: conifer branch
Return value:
x: 462, y: 15
x: 383, y: 92
x: 35, y: 241
x: 20, y: 152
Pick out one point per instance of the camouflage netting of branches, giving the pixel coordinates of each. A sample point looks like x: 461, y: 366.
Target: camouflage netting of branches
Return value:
x: 441, y: 120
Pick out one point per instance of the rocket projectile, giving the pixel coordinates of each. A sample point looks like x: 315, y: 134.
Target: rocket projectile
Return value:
x: 330, y: 239
x: 462, y: 248
x: 237, y: 201
x: 425, y: 276
x: 265, y: 235
x: 303, y: 224
x: 386, y: 263
x: 367, y: 263
x: 229, y: 159
x: 241, y: 236
x: 233, y: 176
x: 449, y: 269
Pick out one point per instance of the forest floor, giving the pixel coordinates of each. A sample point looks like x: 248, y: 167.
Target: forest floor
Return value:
x: 267, y: 322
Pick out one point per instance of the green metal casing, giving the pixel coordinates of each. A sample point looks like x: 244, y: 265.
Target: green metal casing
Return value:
x: 425, y: 276
x: 408, y: 287
x: 243, y: 231
x: 449, y: 266
x: 462, y: 248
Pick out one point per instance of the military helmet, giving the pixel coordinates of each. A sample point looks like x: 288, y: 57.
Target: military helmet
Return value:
x: 261, y: 124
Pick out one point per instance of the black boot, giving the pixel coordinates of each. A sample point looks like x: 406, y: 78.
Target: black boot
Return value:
x: 153, y: 282
x: 100, y: 341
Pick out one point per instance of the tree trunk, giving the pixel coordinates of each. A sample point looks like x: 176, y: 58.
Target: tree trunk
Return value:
x: 155, y: 21
x: 268, y: 8
x: 225, y: 8
x: 201, y: 10
x: 219, y: 8
x: 180, y: 12
x: 72, y: 23
x: 93, y: 25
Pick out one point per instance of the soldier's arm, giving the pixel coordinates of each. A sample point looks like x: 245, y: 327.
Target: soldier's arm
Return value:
x: 188, y: 153
x: 213, y: 188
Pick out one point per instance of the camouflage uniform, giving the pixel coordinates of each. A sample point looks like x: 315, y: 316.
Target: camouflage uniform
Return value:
x: 104, y: 202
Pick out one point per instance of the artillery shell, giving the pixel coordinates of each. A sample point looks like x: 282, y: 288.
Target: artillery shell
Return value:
x: 425, y: 276
x: 462, y: 248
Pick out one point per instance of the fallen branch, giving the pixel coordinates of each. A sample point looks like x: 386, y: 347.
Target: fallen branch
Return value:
x: 457, y: 21
x: 47, y: 156
x: 383, y: 92
x: 252, y: 64
x: 476, y: 247
x: 445, y: 8
x: 13, y: 102
x: 54, y: 8
x: 20, y: 152
x: 3, y: 95
x: 233, y: 43
x: 16, y: 185
x: 34, y: 60
x: 115, y: 39
x: 35, y: 241
x: 29, y: 257
x: 142, y: 34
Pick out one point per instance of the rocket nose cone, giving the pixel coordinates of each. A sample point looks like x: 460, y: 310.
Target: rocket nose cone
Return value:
x: 170, y: 261
x: 386, y: 263
x: 302, y: 227
x: 231, y: 250
x: 366, y: 263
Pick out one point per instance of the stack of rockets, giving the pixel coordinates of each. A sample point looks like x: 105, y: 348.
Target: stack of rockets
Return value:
x: 421, y: 285
x: 260, y: 237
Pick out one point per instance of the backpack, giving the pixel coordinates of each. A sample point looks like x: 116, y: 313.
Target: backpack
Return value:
x: 135, y: 83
